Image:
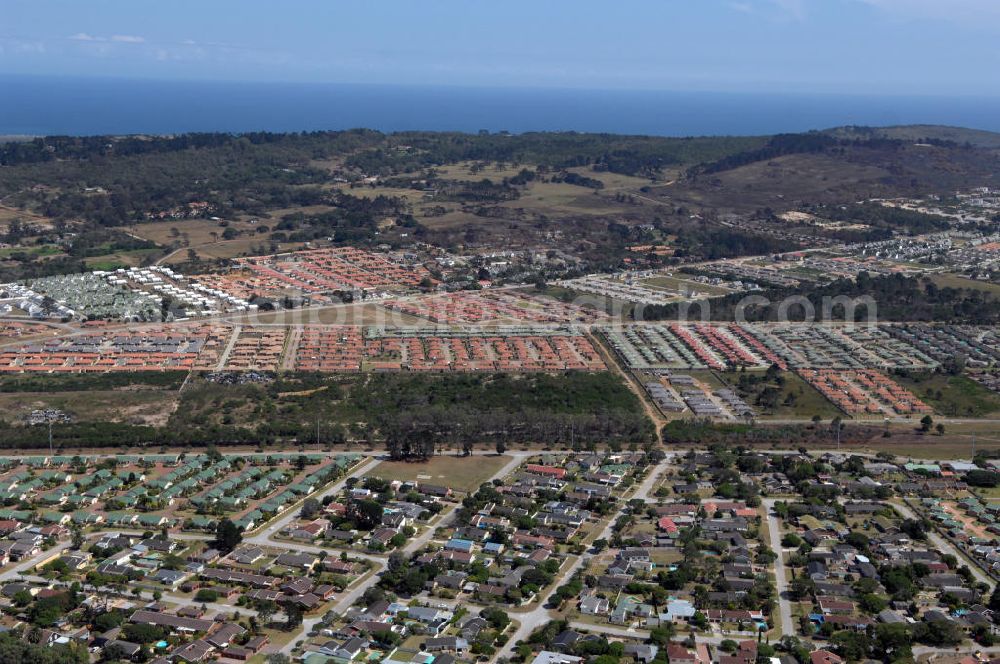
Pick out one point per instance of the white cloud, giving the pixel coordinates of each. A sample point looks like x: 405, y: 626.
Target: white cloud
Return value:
x: 964, y: 11
x: 794, y: 8
x: 19, y: 46
x: 973, y: 13
x: 120, y: 39
x: 784, y: 9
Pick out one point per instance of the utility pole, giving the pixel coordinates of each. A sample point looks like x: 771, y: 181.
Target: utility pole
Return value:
x: 51, y: 453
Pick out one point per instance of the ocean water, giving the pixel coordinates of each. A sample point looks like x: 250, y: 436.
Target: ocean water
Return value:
x: 83, y: 106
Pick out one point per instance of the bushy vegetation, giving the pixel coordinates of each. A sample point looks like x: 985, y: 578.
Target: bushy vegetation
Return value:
x: 785, y: 144
x: 14, y: 650
x: 447, y: 409
x: 897, y: 298
x: 167, y: 380
x: 630, y: 155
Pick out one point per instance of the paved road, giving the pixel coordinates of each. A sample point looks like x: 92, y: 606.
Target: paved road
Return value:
x: 353, y: 594
x: 539, y: 615
x: 345, y: 602
x: 633, y: 633
x: 228, y: 350
x: 652, y: 475
x: 944, y: 545
x: 263, y: 535
x: 780, y: 573
x: 28, y: 564
x: 951, y: 652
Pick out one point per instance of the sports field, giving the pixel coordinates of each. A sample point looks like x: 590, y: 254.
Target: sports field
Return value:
x: 459, y: 473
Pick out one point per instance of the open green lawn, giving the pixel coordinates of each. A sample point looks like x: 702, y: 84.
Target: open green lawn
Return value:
x: 36, y: 250
x: 795, y: 399
x: 463, y: 170
x: 953, y: 396
x: 115, y: 260
x: 615, y: 181
x: 955, y: 281
x: 459, y: 473
x: 707, y: 378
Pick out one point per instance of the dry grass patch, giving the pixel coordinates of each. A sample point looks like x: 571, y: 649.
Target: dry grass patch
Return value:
x: 149, y: 407
x: 459, y: 473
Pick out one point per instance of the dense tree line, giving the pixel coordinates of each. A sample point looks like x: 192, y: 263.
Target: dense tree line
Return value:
x: 570, y: 177
x: 416, y: 411
x: 479, y: 191
x: 897, y: 297
x: 885, y: 218
x: 631, y: 155
x: 354, y: 221
x: 706, y: 432
x: 112, y: 182
x: 55, y: 148
x: 100, y: 242
x: 29, y: 382
x: 785, y: 144
x: 713, y: 243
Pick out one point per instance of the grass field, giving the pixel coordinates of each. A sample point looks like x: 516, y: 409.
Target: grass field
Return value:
x: 121, y: 259
x: 241, y: 246
x: 554, y: 198
x: 459, y: 473
x: 759, y: 184
x: 195, y: 231
x: 805, y: 403
x: 37, y: 250
x: 612, y: 181
x: 463, y: 171
x: 707, y: 378
x: 276, y: 215
x: 9, y: 214
x: 197, y: 234
x: 412, y: 196
x: 954, y: 281
x: 953, y: 396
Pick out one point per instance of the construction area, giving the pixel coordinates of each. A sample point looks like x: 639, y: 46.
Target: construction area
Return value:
x: 494, y: 306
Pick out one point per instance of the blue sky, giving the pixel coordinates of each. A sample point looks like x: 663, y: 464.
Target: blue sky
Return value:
x: 933, y: 47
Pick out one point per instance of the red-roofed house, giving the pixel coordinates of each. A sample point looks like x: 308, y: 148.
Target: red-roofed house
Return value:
x: 548, y: 471
x: 667, y: 525
x: 824, y: 657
